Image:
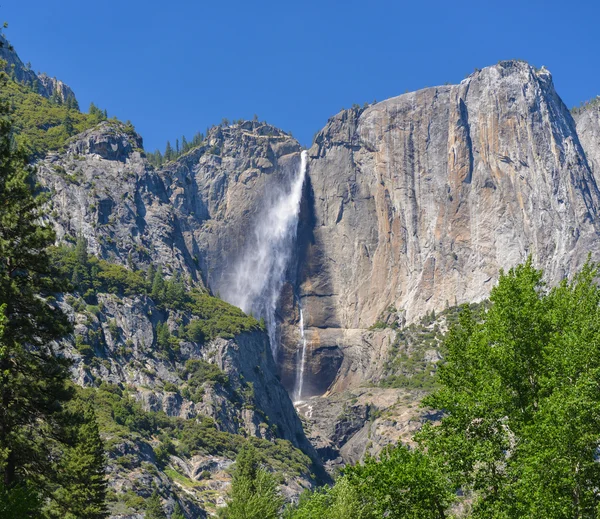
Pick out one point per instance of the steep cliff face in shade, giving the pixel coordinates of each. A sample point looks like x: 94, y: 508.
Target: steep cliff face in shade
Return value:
x: 103, y: 188
x: 417, y: 202
x: 218, y: 190
x: 587, y: 119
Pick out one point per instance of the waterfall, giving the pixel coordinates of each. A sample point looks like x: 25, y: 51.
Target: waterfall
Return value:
x: 259, y: 274
x: 300, y: 365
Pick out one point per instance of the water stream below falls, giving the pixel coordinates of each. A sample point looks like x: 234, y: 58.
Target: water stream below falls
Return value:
x: 300, y: 365
x: 258, y: 276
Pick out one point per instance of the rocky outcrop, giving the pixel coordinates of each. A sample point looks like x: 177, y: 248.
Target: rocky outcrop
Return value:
x: 346, y: 426
x: 103, y: 189
x: 218, y: 190
x: 587, y: 119
x: 417, y: 202
x: 115, y: 342
x: 49, y: 87
x: 122, y: 334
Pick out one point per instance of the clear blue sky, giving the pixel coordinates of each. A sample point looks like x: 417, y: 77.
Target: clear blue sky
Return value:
x: 176, y: 67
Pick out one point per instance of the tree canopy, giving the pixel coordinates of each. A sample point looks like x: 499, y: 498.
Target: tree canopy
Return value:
x: 519, y: 437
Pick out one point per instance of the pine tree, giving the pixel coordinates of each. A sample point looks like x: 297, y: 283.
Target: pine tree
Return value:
x: 72, y: 103
x: 34, y: 387
x: 254, y: 493
x: 174, y: 289
x: 68, y: 124
x: 168, y: 152
x: 158, y: 285
x: 177, y: 512
x: 33, y: 380
x: 154, y: 509
x: 177, y: 147
x: 82, y: 484
x: 151, y: 272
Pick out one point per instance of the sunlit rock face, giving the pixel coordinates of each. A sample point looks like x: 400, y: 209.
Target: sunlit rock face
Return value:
x: 407, y: 206
x: 417, y: 202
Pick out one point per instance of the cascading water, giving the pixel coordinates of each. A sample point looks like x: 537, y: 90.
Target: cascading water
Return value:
x: 259, y: 274
x: 300, y: 365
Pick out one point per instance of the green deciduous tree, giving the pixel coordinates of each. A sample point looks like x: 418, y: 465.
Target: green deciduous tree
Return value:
x: 521, y: 393
x: 400, y: 484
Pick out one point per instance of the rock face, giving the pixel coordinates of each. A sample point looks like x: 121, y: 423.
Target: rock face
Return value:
x: 346, y: 426
x: 195, y: 215
x: 45, y: 85
x: 122, y: 335
x: 50, y: 87
x: 411, y: 204
x: 587, y: 119
x: 121, y: 349
x: 217, y: 191
x: 416, y: 203
x: 105, y: 190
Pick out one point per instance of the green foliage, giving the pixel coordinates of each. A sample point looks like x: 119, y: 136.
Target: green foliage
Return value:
x: 120, y: 416
x: 38, y: 432
x: 408, y: 365
x: 211, y: 317
x: 521, y: 393
x: 154, y: 509
x: 340, y: 501
x: 254, y: 493
x: 196, y: 373
x: 41, y: 125
x: 158, y: 159
x: 81, y: 489
x: 586, y: 105
x: 401, y: 484
x: 19, y: 502
x: 177, y: 512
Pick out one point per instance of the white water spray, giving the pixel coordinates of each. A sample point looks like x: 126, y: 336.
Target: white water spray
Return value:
x: 259, y: 274
x: 300, y: 365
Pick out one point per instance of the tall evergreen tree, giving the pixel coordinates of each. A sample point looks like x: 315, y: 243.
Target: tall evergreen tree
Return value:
x: 34, y: 387
x: 150, y: 273
x: 168, y: 152
x: 32, y: 379
x: 158, y: 284
x: 81, y: 487
x: 154, y: 509
x: 254, y: 493
x: 68, y: 124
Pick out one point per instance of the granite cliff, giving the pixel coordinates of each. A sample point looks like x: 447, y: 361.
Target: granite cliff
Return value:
x: 417, y: 202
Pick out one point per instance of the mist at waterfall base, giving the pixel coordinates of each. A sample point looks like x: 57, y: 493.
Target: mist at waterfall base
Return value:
x: 255, y: 283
